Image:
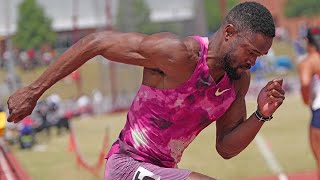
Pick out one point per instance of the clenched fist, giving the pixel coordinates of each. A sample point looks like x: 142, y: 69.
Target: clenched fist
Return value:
x: 271, y: 97
x: 21, y: 104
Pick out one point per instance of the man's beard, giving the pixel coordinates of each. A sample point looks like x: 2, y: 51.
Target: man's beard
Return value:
x: 227, y: 66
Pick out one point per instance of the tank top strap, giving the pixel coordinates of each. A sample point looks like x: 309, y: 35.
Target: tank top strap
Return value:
x: 203, y: 42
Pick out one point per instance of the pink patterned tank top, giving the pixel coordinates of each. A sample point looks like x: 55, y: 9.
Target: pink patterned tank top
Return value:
x: 161, y: 123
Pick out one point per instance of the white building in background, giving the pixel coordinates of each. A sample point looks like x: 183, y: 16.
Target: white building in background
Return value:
x: 91, y: 13
x: 91, y: 17
x: 171, y: 10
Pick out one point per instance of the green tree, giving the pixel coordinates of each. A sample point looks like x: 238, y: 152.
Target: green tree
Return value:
x: 296, y: 8
x: 213, y: 12
x: 133, y: 16
x: 34, y: 27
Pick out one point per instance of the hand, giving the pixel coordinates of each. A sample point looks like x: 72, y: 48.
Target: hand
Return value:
x: 271, y: 97
x: 21, y: 104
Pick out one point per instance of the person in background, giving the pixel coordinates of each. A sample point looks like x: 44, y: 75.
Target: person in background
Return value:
x: 309, y: 73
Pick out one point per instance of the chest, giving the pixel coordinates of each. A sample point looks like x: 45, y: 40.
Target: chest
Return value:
x: 204, y: 103
x: 199, y: 101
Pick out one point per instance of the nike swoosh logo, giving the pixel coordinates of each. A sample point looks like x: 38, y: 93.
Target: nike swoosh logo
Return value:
x: 219, y: 93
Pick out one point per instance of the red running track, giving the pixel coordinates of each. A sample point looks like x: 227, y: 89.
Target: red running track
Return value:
x: 10, y: 168
x: 295, y: 176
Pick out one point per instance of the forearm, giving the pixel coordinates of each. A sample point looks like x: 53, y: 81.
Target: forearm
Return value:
x: 233, y: 142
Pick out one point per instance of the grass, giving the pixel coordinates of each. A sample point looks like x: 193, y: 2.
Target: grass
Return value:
x: 286, y: 134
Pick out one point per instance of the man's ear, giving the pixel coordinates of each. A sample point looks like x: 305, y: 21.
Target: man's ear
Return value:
x: 229, y: 31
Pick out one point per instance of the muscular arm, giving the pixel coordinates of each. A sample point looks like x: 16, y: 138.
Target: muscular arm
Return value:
x: 162, y: 51
x: 129, y: 48
x: 305, y: 74
x: 234, y: 131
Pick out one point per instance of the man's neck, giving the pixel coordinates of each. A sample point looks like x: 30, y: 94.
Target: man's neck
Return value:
x: 214, y: 57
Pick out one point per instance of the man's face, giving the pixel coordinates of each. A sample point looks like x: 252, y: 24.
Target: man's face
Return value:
x: 243, y: 52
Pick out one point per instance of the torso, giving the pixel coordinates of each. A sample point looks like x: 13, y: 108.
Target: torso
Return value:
x: 314, y: 60
x: 315, y: 92
x: 164, y: 118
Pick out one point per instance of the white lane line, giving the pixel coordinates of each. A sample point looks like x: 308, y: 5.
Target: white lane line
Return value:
x: 271, y: 160
x: 5, y: 167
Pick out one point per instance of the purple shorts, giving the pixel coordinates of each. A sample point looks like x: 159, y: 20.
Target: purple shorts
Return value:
x: 123, y: 167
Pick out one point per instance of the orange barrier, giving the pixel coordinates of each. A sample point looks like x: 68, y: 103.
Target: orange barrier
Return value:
x: 73, y: 147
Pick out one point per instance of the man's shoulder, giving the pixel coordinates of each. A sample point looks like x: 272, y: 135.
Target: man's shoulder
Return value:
x: 191, y: 42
